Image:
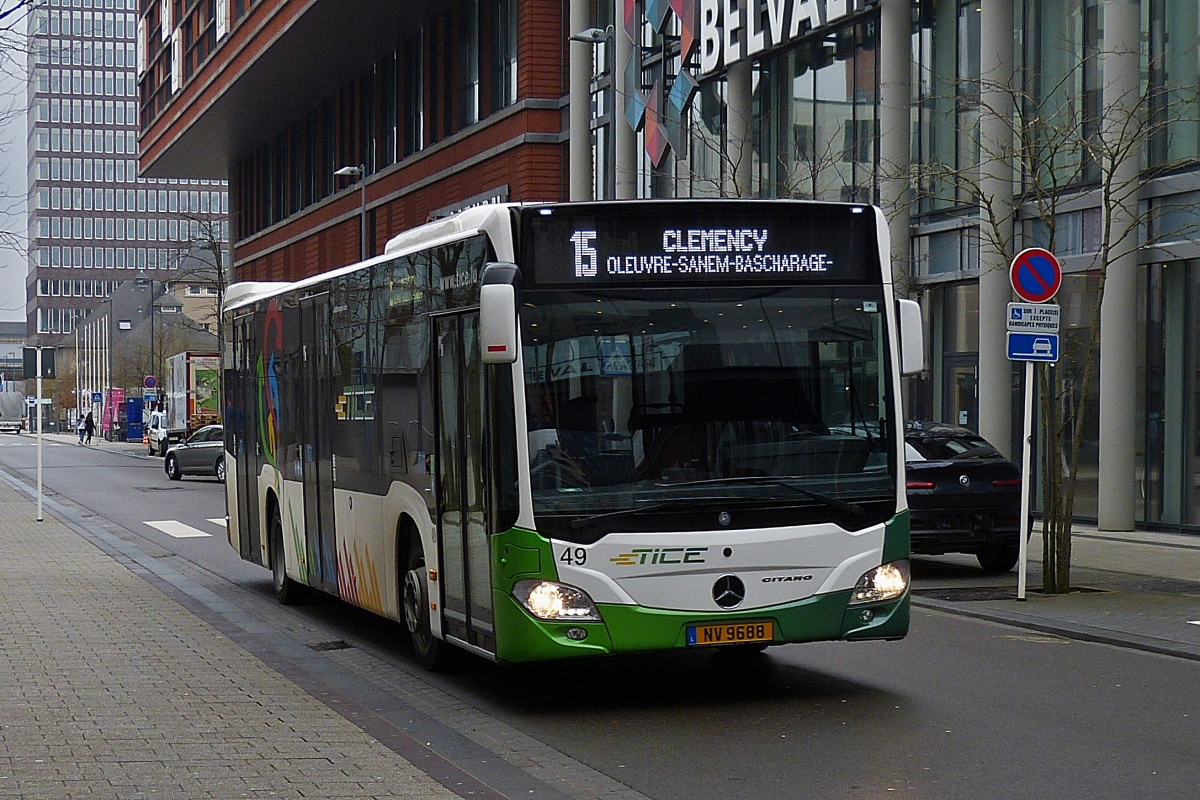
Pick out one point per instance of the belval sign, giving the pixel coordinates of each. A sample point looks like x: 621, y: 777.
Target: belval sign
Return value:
x: 732, y: 30
x: 712, y: 35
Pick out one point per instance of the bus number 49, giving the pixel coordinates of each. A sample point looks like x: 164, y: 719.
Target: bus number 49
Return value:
x: 574, y: 556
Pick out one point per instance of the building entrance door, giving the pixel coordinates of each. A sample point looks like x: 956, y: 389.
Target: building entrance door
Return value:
x: 960, y: 391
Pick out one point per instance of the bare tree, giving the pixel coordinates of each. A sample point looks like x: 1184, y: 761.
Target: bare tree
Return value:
x: 200, y: 257
x: 1066, y: 154
x: 139, y: 354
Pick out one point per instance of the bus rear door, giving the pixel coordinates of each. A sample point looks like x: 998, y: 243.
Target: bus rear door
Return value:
x: 315, y: 434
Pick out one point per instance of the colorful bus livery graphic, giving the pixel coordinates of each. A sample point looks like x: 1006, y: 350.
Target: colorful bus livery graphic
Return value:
x: 479, y: 435
x: 268, y: 381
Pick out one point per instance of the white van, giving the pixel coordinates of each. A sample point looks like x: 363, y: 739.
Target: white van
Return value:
x: 156, y: 433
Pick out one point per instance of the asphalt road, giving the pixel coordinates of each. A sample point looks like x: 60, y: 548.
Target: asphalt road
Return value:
x: 960, y: 709
x: 130, y: 489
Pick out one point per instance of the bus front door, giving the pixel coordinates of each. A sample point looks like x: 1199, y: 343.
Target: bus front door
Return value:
x: 315, y: 440
x: 461, y: 496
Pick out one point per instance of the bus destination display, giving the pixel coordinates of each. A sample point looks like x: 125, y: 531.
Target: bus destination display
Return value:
x: 654, y: 250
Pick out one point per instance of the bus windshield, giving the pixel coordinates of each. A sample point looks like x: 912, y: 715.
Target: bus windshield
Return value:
x: 652, y: 410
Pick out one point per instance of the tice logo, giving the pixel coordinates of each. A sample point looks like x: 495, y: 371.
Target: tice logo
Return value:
x: 661, y: 555
x: 586, y: 258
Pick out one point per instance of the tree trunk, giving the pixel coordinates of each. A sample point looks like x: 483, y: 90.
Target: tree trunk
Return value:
x: 1057, y: 507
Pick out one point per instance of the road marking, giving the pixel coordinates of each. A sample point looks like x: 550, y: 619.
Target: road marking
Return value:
x: 177, y: 529
x: 1194, y: 622
x: 219, y: 521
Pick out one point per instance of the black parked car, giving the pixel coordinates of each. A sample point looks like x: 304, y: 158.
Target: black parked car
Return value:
x: 963, y: 496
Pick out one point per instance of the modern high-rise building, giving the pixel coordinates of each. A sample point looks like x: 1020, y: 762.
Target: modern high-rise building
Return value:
x: 92, y: 221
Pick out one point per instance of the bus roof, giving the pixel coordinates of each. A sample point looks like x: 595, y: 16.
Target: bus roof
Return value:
x: 493, y: 218
x: 247, y: 292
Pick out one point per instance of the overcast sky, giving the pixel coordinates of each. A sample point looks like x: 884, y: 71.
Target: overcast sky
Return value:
x: 13, y: 265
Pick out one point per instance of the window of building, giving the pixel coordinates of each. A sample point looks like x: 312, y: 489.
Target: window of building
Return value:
x: 504, y: 50
x: 1065, y: 43
x: 413, y: 58
x: 1174, y: 74
x: 818, y: 101
x: 468, y: 63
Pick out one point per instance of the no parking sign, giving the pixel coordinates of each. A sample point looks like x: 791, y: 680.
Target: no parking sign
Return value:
x: 1035, y: 275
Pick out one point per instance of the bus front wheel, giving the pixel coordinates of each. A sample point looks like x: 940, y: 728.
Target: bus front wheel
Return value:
x: 430, y: 651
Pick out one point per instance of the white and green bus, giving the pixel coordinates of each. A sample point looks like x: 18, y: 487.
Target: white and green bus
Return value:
x: 558, y: 430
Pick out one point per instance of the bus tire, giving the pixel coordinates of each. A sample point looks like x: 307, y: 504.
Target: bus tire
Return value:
x: 431, y: 652
x: 287, y: 591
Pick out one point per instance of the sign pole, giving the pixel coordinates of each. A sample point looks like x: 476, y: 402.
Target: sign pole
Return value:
x: 1035, y: 275
x: 1026, y: 477
x: 39, y: 432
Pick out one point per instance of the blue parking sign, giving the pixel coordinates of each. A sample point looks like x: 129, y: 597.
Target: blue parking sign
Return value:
x: 1033, y: 347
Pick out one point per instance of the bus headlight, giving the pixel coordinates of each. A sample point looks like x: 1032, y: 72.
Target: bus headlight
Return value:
x: 885, y: 582
x: 556, y: 601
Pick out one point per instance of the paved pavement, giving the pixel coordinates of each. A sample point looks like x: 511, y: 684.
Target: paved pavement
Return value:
x: 1137, y: 589
x: 111, y: 688
x: 111, y: 685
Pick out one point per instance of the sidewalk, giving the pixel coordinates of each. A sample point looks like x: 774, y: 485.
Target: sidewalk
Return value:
x: 1138, y: 589
x: 71, y: 438
x: 110, y: 688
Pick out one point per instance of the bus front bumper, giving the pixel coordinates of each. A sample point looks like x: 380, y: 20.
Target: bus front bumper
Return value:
x: 635, y: 629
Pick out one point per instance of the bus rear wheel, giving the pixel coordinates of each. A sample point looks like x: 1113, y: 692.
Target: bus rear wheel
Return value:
x: 431, y: 652
x: 287, y: 591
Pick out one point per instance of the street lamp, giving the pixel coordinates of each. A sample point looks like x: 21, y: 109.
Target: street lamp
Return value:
x: 359, y: 172
x: 581, y: 71
x: 592, y: 35
x: 143, y: 282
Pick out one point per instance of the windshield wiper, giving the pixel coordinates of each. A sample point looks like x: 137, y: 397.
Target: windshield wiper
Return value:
x: 854, y: 512
x: 581, y: 522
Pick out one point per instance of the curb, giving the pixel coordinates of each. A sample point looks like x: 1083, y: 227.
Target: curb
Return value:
x: 1086, y: 633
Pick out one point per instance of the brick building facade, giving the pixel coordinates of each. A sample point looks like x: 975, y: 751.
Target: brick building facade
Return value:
x: 446, y: 105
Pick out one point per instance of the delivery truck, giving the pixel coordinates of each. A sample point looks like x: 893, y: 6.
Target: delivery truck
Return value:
x: 193, y: 399
x: 12, y: 411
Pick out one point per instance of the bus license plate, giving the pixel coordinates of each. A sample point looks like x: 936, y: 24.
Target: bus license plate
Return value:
x: 731, y: 633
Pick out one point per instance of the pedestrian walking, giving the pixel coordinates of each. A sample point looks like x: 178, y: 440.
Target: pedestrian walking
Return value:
x: 89, y: 424
x: 81, y: 428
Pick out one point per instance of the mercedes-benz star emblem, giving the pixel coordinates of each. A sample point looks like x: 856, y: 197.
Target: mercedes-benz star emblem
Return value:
x: 964, y: 480
x: 729, y: 591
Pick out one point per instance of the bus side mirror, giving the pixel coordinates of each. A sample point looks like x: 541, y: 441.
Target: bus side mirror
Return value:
x: 498, y: 313
x: 912, y: 339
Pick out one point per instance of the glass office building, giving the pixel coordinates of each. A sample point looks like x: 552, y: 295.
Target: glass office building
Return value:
x: 787, y: 108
